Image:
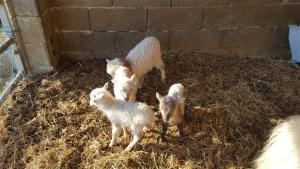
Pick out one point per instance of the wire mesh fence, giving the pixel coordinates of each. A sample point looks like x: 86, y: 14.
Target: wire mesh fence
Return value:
x: 8, y: 69
x: 10, y: 64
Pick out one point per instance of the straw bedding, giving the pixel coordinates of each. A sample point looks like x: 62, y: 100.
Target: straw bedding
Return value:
x: 232, y: 105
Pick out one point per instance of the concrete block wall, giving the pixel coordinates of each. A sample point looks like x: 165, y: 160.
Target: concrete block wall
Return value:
x: 103, y: 28
x: 51, y: 37
x: 31, y: 31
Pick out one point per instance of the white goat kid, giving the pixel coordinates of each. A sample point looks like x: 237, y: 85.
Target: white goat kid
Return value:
x: 121, y: 72
x: 283, y: 147
x: 114, y: 64
x: 133, y: 115
x: 171, y: 108
x: 140, y: 60
x: 125, y: 84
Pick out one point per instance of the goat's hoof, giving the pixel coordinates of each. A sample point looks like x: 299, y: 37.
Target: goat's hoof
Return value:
x: 127, y: 149
x: 110, y: 145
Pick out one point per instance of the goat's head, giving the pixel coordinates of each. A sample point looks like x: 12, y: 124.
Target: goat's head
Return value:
x: 113, y: 65
x: 167, y: 105
x: 98, y: 95
x: 126, y: 88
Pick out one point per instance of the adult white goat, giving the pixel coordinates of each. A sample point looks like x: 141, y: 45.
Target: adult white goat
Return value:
x: 282, y: 150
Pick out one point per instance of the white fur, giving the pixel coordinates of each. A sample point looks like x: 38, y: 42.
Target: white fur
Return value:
x: 125, y: 85
x: 142, y: 58
x: 177, y: 91
x: 122, y: 72
x: 175, y: 101
x: 113, y: 65
x: 132, y: 115
x: 282, y: 150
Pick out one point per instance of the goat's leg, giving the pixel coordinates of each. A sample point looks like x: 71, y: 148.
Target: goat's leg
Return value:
x: 161, y: 67
x: 116, y: 131
x: 180, y: 128
x: 124, y: 131
x: 137, y: 133
x: 164, y: 128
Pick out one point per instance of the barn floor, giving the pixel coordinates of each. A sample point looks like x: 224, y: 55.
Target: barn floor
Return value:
x: 232, y: 105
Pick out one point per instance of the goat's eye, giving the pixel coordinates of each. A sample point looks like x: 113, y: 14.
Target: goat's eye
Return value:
x: 94, y: 96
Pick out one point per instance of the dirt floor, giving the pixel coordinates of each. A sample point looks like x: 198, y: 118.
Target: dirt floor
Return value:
x: 232, y: 105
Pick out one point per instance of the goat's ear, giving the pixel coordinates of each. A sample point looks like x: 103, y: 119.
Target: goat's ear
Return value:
x: 107, y: 60
x: 158, y: 96
x: 106, y: 85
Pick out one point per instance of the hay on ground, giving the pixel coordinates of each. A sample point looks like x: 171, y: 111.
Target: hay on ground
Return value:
x: 232, y: 105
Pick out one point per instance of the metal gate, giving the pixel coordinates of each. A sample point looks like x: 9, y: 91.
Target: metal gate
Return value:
x: 11, y: 67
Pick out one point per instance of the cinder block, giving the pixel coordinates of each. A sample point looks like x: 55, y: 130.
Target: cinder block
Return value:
x: 278, y: 14
x: 54, y: 42
x: 228, y: 17
x: 256, y: 52
x: 104, y: 41
x: 53, y: 59
x: 284, y: 52
x: 240, y: 3
x: 36, y: 71
x: 25, y: 7
x: 47, y: 25
x: 31, y: 29
x: 43, y: 6
x: 269, y: 15
x: 71, y: 18
x: 142, y: 3
x: 255, y: 36
x: 75, y: 41
x: 37, y: 54
x: 53, y: 49
x: 76, y: 56
x: 175, y: 18
x: 272, y: 1
x: 81, y: 3
x: 191, y: 40
x: 293, y: 1
x: 127, y: 40
x: 79, y: 56
x: 118, y: 19
x: 215, y: 51
x: 281, y: 36
x: 189, y: 3
x: 198, y: 3
x: 86, y: 41
x: 102, y: 55
x: 291, y: 14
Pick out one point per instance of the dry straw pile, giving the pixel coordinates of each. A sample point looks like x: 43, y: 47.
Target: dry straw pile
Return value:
x: 232, y: 105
